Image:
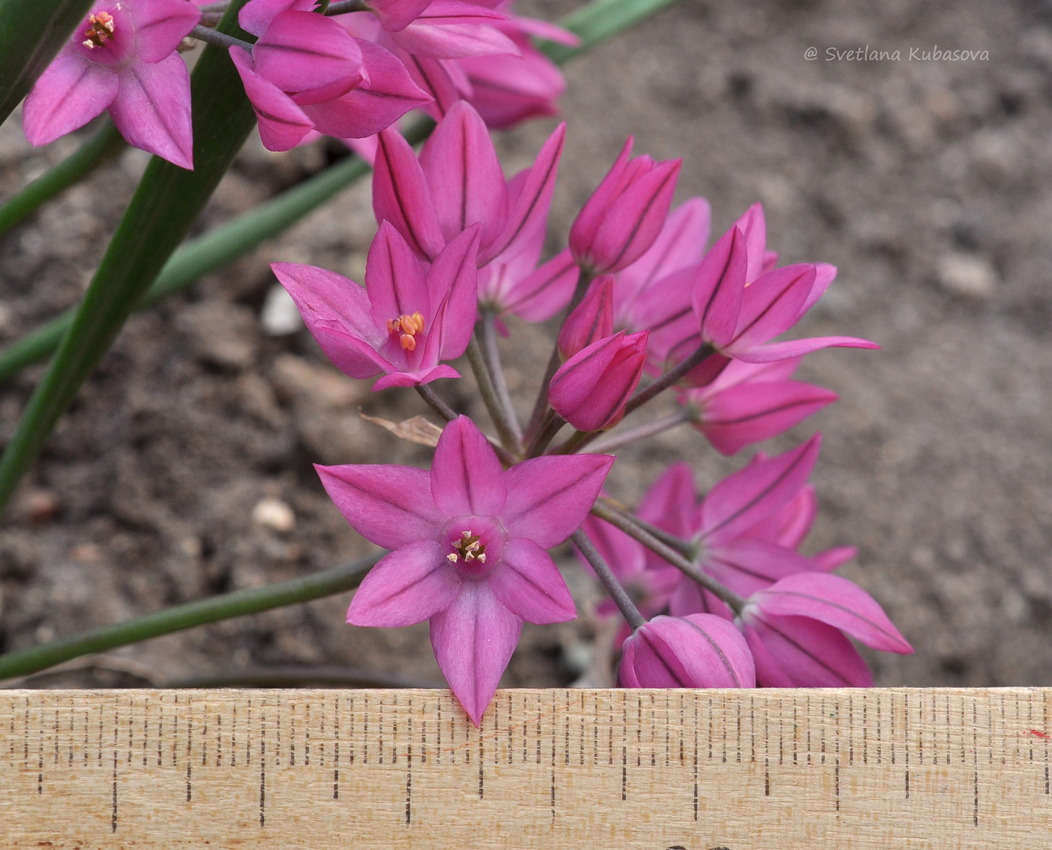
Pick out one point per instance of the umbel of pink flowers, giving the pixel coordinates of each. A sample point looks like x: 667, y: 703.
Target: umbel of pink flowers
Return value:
x: 346, y: 75
x: 735, y: 603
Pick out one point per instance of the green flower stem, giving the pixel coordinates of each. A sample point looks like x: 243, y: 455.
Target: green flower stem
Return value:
x: 435, y: 401
x: 541, y: 412
x: 579, y: 439
x: 302, y: 677
x: 620, y: 596
x: 100, y: 147
x: 701, y: 353
x: 31, y: 33
x: 491, y: 351
x: 628, y: 524
x: 219, y: 39
x: 550, y: 426
x: 500, y: 410
x: 186, y: 616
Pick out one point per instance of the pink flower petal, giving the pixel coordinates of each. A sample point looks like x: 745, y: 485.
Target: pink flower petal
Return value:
x: 388, y: 505
x: 799, y: 347
x: 529, y: 213
x: 747, y: 565
x: 771, y: 304
x: 160, y: 25
x: 401, y: 195
x: 837, y: 602
x: 397, y: 14
x: 448, y: 29
x: 549, y: 497
x: 282, y: 124
x: 528, y: 584
x: 751, y: 413
x: 719, y: 287
x: 798, y: 652
x: 385, y: 95
x: 454, y: 275
x: 301, y: 51
x: 696, y: 651
x: 746, y: 497
x: 395, y: 280
x: 474, y: 639
x: 152, y: 109
x: 464, y: 175
x: 466, y: 476
x: 409, y: 585
x: 70, y: 93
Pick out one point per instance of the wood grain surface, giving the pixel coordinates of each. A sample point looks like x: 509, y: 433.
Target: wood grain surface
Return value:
x: 881, y: 768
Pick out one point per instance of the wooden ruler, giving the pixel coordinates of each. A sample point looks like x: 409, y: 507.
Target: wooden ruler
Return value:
x: 698, y: 770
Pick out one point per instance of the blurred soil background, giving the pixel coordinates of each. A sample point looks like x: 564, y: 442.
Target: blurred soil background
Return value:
x: 184, y: 468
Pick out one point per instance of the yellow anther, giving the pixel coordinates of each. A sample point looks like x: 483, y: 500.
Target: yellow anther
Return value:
x: 406, y: 327
x: 469, y: 547
x: 100, y: 28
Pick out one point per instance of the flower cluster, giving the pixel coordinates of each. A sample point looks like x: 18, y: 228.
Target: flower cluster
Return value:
x: 347, y: 73
x: 714, y: 591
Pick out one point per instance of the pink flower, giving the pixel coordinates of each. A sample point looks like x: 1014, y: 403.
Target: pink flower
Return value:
x: 796, y: 630
x: 748, y: 403
x: 696, y: 651
x: 121, y: 60
x: 589, y: 321
x: 404, y: 322
x: 739, y: 315
x: 457, y: 183
x: 476, y: 51
x: 468, y: 545
x: 591, y: 389
x: 305, y: 72
x: 723, y: 528
x: 625, y: 213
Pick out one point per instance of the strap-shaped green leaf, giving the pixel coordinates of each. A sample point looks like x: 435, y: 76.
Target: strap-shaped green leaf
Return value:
x: 161, y: 212
x: 31, y: 33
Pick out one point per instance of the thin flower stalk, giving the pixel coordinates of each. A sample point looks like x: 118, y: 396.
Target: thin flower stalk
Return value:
x: 620, y: 596
x: 615, y: 441
x: 690, y: 570
x: 499, y: 408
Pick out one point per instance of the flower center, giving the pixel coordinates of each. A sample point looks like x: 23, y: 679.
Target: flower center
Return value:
x: 468, y: 547
x: 100, y: 29
x: 406, y: 327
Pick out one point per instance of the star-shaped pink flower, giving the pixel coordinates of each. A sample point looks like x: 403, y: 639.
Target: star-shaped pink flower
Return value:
x: 469, y: 545
x: 121, y: 60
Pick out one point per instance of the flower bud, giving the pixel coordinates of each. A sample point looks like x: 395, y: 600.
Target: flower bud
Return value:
x: 696, y: 651
x: 591, y: 320
x: 590, y: 389
x: 626, y: 212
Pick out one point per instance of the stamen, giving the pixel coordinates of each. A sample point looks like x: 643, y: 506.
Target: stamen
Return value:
x: 469, y: 547
x: 100, y: 29
x: 406, y: 327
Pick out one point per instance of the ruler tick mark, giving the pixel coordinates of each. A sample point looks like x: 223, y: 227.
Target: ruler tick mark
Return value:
x: 113, y: 813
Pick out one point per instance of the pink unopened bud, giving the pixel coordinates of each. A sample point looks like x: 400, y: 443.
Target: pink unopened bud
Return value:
x: 625, y: 213
x: 591, y: 320
x: 590, y: 389
x: 696, y: 651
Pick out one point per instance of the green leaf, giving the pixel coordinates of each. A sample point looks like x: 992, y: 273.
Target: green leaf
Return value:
x: 176, y: 618
x: 161, y: 212
x: 96, y: 150
x: 31, y: 33
x: 599, y: 21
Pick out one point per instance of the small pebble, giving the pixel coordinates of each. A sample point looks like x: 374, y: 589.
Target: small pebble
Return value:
x: 274, y: 514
